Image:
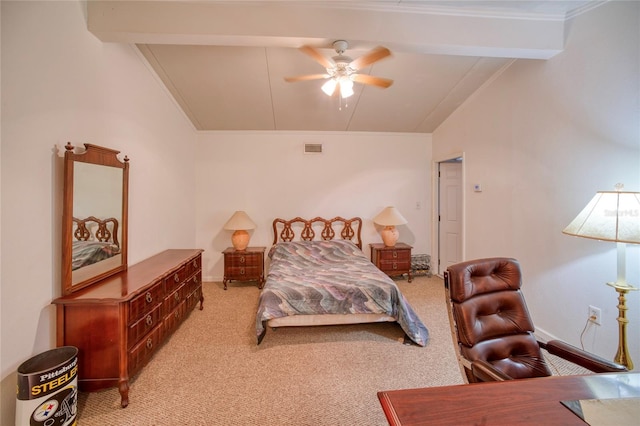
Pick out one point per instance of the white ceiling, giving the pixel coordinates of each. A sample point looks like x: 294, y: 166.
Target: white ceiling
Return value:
x: 224, y: 62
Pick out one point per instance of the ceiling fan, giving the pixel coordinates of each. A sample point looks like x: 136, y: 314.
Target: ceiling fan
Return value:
x: 342, y: 70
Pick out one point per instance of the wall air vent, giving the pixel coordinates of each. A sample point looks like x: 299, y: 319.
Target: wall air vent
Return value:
x: 313, y: 148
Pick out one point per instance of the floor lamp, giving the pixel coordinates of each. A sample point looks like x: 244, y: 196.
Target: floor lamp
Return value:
x: 613, y: 216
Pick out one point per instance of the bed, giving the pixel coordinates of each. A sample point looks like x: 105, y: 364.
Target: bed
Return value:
x: 94, y: 240
x: 328, y: 280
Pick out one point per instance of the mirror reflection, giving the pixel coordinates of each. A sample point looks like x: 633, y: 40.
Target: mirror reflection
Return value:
x: 97, y: 214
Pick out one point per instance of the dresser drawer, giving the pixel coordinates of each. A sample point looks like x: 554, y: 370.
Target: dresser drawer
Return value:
x: 174, y: 318
x: 193, y: 283
x: 144, y: 303
x: 175, y: 279
x: 194, y: 265
x: 140, y: 354
x: 144, y: 325
x: 173, y: 299
x: 193, y: 298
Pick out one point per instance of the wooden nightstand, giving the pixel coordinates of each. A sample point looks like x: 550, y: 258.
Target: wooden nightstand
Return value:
x: 244, y: 265
x: 394, y: 260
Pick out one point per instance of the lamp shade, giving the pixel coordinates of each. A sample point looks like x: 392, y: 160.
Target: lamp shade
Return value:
x: 239, y: 221
x: 390, y: 216
x: 609, y: 216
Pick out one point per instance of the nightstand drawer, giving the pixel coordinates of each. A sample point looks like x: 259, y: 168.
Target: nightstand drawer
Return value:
x: 396, y: 255
x: 390, y: 265
x: 243, y: 260
x: 235, y: 272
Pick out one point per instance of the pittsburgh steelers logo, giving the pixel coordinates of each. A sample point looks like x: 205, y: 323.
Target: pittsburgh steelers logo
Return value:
x: 45, y: 411
x: 60, y: 410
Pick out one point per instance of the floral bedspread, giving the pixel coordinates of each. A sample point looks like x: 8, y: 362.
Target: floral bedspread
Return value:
x: 331, y: 277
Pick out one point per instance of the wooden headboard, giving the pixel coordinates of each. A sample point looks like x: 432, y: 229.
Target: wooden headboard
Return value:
x: 349, y: 229
x: 92, y: 228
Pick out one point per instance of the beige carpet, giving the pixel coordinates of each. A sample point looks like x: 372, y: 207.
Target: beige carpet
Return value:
x: 211, y: 372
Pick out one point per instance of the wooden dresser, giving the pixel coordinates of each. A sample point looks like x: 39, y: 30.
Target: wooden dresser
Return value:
x: 118, y: 323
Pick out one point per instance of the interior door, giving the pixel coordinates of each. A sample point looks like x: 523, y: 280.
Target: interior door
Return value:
x: 449, y: 213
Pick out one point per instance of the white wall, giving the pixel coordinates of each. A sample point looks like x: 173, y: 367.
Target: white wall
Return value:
x: 542, y: 139
x: 59, y: 84
x: 268, y: 175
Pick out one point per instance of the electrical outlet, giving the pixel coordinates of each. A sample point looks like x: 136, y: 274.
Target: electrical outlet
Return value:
x: 594, y: 314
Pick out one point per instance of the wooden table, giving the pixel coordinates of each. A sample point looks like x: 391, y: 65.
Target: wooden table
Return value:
x: 521, y: 402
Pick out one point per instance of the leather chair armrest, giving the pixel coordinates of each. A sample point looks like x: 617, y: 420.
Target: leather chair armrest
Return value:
x: 585, y: 359
x: 486, y: 372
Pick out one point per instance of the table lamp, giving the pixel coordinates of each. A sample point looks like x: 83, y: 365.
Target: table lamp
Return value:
x: 239, y: 223
x: 613, y: 216
x: 389, y: 218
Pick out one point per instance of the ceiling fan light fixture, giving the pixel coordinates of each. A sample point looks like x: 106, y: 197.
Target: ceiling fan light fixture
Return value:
x: 341, y: 70
x: 346, y: 88
x: 329, y: 87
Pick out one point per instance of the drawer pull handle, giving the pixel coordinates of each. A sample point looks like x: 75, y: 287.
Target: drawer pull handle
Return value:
x: 149, y: 320
x: 148, y: 297
x: 149, y: 343
x: 395, y: 265
x: 241, y: 259
x: 176, y: 314
x: 195, y: 263
x: 176, y: 277
x: 196, y: 279
x: 395, y: 254
x: 176, y: 296
x: 242, y: 271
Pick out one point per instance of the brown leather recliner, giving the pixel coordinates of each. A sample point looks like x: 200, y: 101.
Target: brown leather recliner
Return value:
x: 493, y: 329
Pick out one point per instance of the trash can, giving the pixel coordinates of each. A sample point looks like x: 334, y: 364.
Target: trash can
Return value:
x: 48, y: 389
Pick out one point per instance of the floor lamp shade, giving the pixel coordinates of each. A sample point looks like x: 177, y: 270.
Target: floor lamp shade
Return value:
x: 613, y: 216
x: 240, y: 222
x: 609, y: 216
x: 389, y: 218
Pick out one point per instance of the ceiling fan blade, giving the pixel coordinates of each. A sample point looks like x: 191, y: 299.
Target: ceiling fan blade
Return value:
x: 317, y: 56
x: 371, y: 80
x: 306, y: 77
x: 369, y: 58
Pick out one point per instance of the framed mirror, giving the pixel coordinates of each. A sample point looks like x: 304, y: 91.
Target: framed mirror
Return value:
x: 94, y: 215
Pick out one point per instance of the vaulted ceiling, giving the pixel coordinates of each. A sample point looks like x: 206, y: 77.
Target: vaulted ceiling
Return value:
x: 224, y: 62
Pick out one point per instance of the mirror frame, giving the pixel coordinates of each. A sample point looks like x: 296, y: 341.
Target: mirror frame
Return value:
x: 92, y: 154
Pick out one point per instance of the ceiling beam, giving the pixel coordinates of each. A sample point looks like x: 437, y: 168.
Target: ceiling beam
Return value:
x: 292, y: 24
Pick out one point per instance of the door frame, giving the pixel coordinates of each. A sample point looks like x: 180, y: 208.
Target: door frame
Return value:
x: 435, y: 203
